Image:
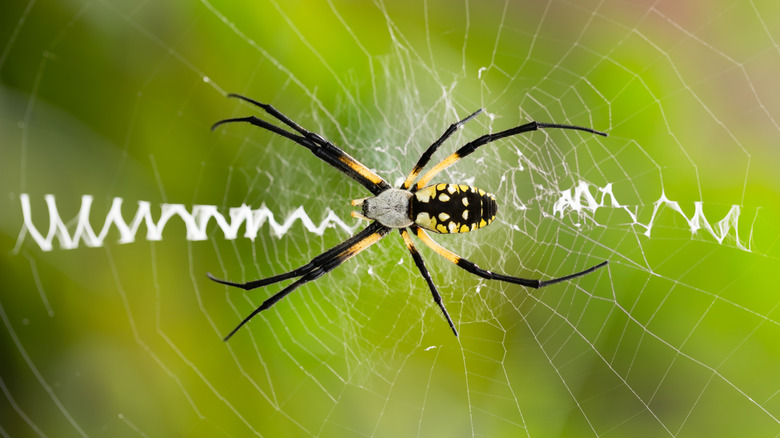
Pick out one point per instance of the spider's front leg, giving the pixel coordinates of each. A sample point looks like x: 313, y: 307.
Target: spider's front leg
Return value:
x: 323, y: 149
x: 311, y: 271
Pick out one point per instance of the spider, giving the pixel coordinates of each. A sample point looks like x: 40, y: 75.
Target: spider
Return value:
x: 411, y: 208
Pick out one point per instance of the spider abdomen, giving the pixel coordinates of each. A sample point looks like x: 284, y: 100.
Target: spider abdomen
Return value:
x: 452, y: 208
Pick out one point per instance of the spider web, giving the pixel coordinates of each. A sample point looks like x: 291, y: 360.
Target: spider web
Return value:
x: 677, y: 336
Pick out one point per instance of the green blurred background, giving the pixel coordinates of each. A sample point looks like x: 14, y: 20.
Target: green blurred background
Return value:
x: 678, y: 336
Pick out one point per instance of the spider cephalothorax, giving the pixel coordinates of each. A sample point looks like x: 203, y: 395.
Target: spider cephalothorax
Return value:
x: 415, y: 207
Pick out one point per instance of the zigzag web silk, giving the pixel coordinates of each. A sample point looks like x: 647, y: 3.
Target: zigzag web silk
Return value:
x: 327, y: 355
x: 197, y: 218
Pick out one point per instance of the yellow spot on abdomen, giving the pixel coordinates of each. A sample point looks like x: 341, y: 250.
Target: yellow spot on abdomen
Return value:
x: 425, y: 221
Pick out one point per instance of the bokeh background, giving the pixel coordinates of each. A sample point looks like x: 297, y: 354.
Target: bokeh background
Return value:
x: 678, y: 336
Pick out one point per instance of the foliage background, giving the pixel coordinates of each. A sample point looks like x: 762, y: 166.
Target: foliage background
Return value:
x: 114, y: 98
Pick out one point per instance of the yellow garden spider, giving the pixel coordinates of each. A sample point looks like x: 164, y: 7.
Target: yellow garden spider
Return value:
x: 440, y: 208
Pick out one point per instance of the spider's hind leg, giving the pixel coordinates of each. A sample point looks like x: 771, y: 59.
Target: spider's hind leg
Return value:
x: 426, y: 156
x: 427, y: 276
x: 473, y: 145
x: 472, y: 267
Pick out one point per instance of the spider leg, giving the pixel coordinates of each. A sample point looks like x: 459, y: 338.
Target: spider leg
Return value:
x: 313, y: 275
x: 298, y: 272
x: 274, y: 112
x: 476, y: 270
x: 473, y: 145
x: 427, y: 276
x: 313, y: 270
x: 323, y: 149
x: 426, y: 156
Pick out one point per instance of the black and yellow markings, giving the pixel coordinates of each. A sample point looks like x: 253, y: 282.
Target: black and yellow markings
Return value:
x: 442, y: 251
x: 359, y: 168
x: 407, y: 240
x: 447, y: 162
x: 412, y: 175
x: 360, y: 245
x: 452, y: 208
